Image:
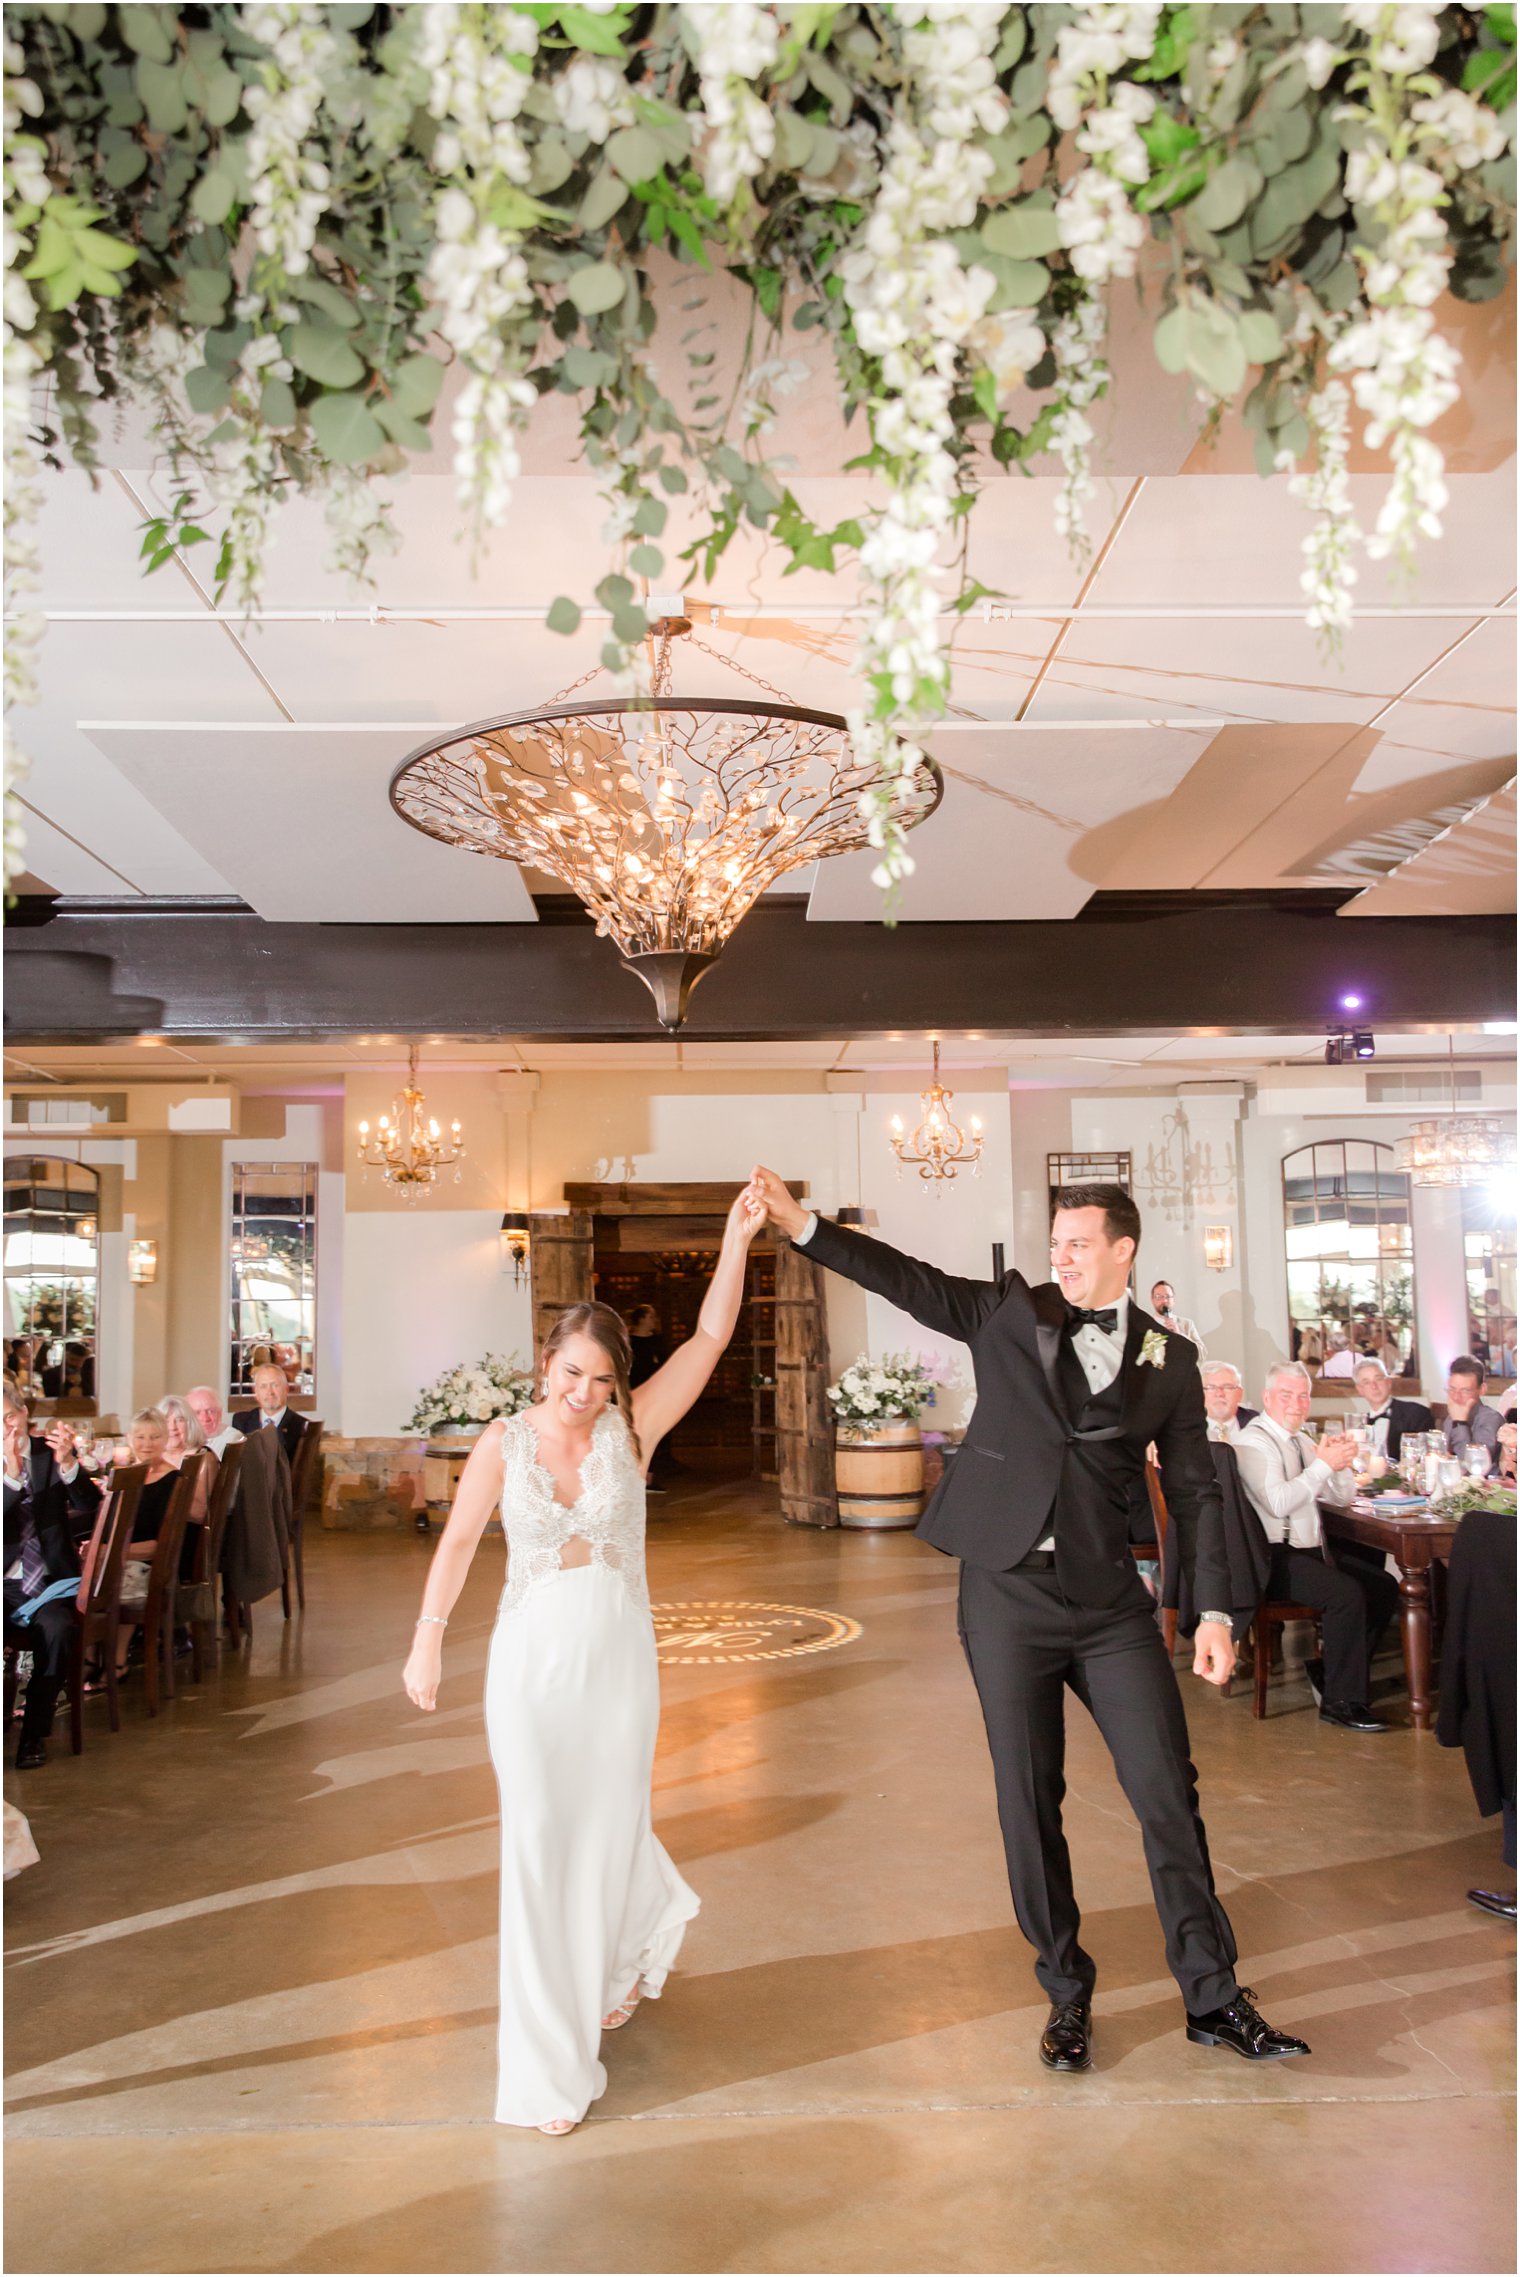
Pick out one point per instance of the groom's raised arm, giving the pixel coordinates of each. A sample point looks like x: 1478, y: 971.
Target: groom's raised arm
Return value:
x: 946, y: 1302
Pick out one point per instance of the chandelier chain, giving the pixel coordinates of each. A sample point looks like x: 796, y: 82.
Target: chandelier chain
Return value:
x: 743, y: 670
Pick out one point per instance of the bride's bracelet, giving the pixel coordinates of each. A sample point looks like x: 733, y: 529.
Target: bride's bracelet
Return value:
x: 439, y: 1620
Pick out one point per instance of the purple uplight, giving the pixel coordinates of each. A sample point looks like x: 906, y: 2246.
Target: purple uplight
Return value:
x: 1351, y: 1003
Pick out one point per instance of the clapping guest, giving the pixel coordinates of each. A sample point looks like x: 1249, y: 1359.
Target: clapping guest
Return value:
x: 1470, y: 1421
x: 1286, y: 1477
x: 1223, y: 1387
x: 1388, y: 1418
x: 49, y: 1505
x: 217, y: 1433
x: 273, y: 1412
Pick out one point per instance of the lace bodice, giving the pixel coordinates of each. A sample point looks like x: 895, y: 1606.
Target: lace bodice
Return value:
x: 609, y: 1515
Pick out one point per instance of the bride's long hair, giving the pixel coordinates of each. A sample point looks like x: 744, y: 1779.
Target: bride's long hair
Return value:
x: 606, y: 1328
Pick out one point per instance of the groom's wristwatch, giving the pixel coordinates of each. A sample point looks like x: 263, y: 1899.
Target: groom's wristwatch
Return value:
x: 1223, y: 1619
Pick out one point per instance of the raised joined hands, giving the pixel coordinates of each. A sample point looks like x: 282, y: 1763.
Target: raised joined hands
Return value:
x: 785, y: 1214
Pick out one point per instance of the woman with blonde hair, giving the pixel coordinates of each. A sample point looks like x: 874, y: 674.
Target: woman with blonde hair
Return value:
x: 186, y: 1436
x: 592, y: 1910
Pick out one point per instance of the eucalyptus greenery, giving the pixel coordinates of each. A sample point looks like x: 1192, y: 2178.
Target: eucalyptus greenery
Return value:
x: 279, y: 225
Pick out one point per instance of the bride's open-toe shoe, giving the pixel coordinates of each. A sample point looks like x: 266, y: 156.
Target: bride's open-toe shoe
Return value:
x: 558, y: 2126
x: 620, y: 2015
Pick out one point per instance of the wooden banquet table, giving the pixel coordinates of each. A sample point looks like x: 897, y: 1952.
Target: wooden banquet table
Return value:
x: 1416, y: 1542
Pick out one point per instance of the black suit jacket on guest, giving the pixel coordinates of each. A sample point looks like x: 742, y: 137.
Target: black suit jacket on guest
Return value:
x: 1406, y: 1415
x: 251, y: 1421
x: 1033, y: 1462
x: 63, y: 1513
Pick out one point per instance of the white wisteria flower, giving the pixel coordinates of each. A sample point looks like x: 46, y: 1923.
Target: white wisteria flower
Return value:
x: 1330, y: 547
x: 593, y: 97
x: 1403, y: 39
x: 1465, y: 134
x: 735, y: 46
x: 289, y: 183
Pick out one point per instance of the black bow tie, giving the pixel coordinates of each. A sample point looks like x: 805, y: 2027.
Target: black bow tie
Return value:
x: 1105, y: 1317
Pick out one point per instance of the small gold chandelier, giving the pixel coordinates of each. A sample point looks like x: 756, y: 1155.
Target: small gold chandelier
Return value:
x: 938, y: 1147
x: 668, y: 816
x: 1456, y: 1150
x: 408, y: 1148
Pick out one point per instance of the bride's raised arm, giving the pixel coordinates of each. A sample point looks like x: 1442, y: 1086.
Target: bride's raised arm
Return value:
x: 660, y: 1403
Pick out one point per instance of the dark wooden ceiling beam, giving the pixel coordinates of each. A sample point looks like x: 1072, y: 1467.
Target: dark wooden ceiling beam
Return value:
x: 1244, y: 964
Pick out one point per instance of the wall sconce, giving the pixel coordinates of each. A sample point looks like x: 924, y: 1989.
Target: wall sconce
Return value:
x: 1218, y: 1248
x: 516, y: 1237
x: 863, y: 1221
x: 142, y: 1262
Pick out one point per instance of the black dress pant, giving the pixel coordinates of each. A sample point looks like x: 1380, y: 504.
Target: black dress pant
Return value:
x: 1027, y: 1644
x: 1356, y: 1598
x: 49, y: 1637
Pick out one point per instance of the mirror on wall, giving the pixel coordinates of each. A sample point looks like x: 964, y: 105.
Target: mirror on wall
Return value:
x: 52, y: 1280
x: 1350, y: 1252
x: 1488, y: 1242
x: 273, y: 1252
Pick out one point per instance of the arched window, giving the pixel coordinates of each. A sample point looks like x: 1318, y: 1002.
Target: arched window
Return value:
x: 1350, y: 1257
x: 52, y: 1277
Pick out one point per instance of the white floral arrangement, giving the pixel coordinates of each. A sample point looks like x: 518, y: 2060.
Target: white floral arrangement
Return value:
x: 894, y: 1389
x: 468, y: 1396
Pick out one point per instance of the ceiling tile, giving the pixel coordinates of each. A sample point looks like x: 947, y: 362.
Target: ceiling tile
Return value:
x: 1468, y: 872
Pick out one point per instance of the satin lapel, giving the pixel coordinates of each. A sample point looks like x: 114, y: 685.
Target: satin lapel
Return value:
x: 1050, y: 1326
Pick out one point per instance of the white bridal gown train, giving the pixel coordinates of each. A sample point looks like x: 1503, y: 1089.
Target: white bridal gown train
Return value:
x: 591, y: 1906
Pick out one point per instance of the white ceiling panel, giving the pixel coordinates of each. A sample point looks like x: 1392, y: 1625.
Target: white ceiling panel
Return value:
x: 1014, y: 835
x: 1468, y: 872
x: 301, y: 824
x: 61, y: 863
x: 1463, y: 709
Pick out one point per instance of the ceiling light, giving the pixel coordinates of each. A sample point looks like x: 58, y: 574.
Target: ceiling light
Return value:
x: 938, y: 1147
x: 1457, y: 1150
x: 408, y: 1147
x: 667, y: 815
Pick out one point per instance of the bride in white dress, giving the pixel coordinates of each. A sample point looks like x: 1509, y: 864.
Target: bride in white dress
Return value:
x: 592, y: 1910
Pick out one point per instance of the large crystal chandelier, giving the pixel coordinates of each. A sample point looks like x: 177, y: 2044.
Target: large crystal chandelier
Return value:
x: 667, y: 815
x: 938, y: 1148
x: 1456, y: 1150
x: 408, y: 1147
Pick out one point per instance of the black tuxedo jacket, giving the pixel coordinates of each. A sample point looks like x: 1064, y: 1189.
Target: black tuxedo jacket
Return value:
x: 63, y: 1513
x: 251, y: 1422
x: 1030, y: 1464
x: 1406, y: 1415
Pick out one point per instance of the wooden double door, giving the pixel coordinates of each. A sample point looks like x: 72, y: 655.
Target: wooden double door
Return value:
x: 688, y: 1217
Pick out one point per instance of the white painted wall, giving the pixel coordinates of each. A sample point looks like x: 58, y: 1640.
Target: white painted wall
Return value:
x: 423, y: 1290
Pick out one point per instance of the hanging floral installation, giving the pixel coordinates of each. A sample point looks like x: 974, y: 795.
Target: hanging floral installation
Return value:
x: 279, y: 225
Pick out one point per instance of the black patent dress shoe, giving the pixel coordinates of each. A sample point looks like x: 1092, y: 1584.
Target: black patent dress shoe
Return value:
x: 1066, y: 2042
x: 32, y: 1756
x: 1498, y: 1902
x: 1240, y: 2025
x: 1351, y: 1715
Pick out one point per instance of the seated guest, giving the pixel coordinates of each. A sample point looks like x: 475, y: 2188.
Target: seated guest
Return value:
x: 1163, y: 1302
x: 148, y: 1443
x: 186, y: 1437
x: 50, y: 1506
x: 206, y: 1407
x: 1388, y: 1418
x: 1286, y: 1477
x: 74, y: 1376
x: 1470, y: 1421
x: 272, y: 1391
x: 1222, y: 1389
x: 1343, y: 1357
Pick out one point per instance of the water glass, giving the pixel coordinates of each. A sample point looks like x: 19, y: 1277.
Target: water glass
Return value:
x: 1478, y: 1462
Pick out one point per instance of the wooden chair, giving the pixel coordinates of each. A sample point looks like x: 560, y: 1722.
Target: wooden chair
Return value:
x: 195, y: 1599
x: 1157, y: 1549
x: 99, y: 1600
x: 1268, y: 1623
x: 156, y: 1613
x: 302, y: 1475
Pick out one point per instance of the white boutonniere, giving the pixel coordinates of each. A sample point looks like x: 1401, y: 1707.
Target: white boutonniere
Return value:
x: 1153, y: 1349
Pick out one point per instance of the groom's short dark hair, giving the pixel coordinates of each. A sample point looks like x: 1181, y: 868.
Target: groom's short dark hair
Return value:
x: 1120, y: 1216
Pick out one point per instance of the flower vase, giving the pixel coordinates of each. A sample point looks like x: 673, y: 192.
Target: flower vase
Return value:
x: 879, y: 1475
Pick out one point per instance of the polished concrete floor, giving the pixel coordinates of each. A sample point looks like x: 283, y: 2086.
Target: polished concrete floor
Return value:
x: 251, y: 1983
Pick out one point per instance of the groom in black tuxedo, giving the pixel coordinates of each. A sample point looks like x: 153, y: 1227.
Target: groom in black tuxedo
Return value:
x: 1073, y: 1383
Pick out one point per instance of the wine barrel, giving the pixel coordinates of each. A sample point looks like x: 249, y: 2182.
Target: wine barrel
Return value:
x: 879, y: 1475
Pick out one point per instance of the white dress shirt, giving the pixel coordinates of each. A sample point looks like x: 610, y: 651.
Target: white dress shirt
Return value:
x: 1229, y: 1431
x: 223, y: 1440
x: 1286, y: 1480
x: 272, y: 1422
x: 1377, y: 1428
x: 1342, y: 1363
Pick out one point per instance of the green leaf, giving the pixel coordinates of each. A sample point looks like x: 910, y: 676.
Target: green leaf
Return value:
x: 1021, y: 284
x: 406, y: 432
x: 597, y: 35
x: 162, y: 90
x: 1166, y: 138
x: 1024, y: 233
x: 606, y: 194
x: 634, y: 154
x: 213, y: 198
x: 126, y: 162
x: 596, y: 287
x: 1226, y: 194
x: 208, y: 389
x: 277, y: 404
x: 564, y: 615
x: 207, y: 292
x: 318, y: 292
x: 348, y: 432
x: 650, y: 517
x: 614, y: 592
x: 416, y: 384
x: 321, y: 351
x: 1259, y: 336
x: 145, y: 31
x: 588, y: 367
x: 646, y: 561
x: 629, y: 625
x: 984, y: 389
x: 673, y: 480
